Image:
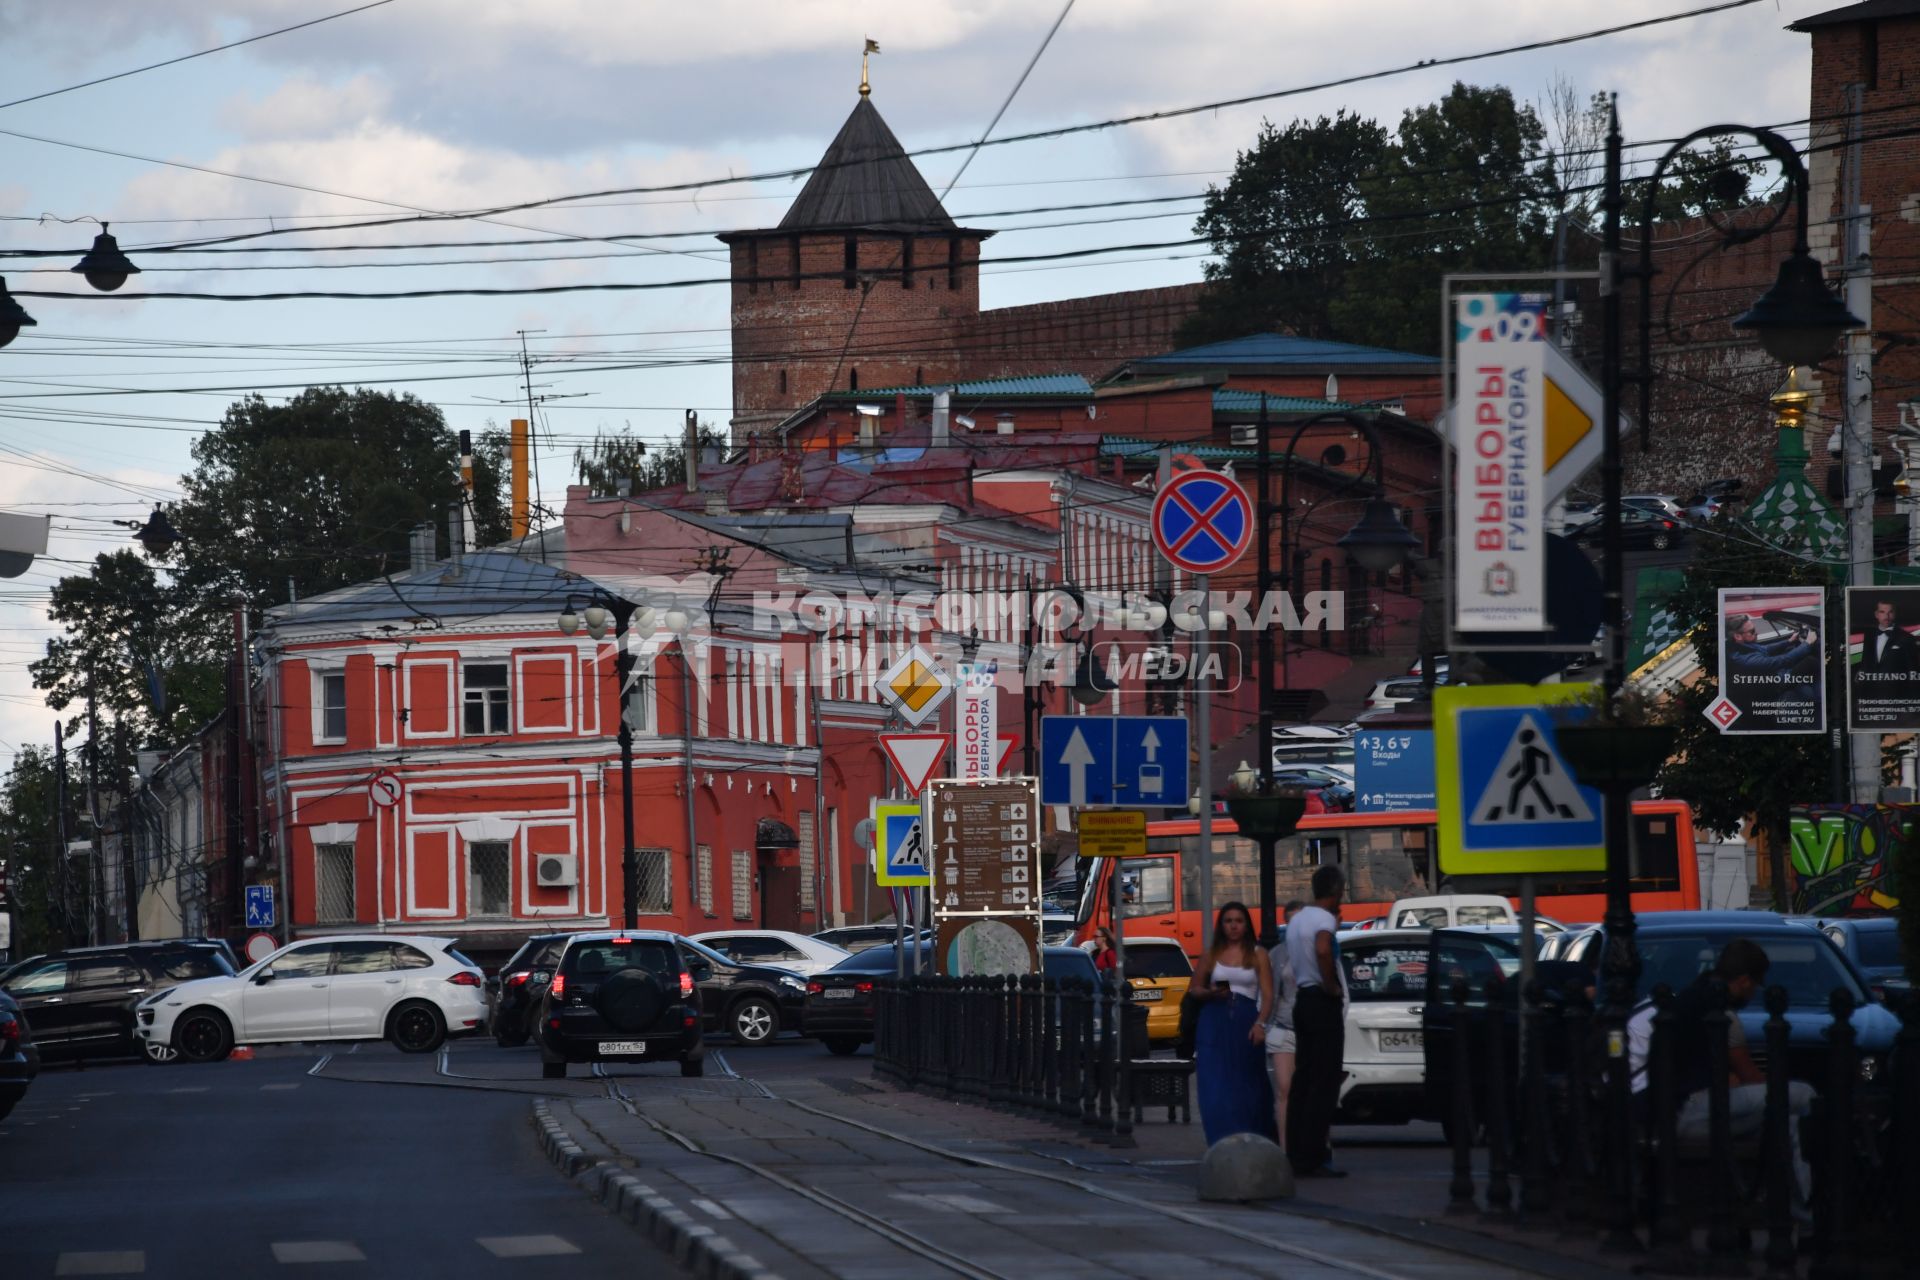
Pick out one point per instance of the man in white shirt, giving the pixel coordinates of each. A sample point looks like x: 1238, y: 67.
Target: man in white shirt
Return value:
x: 1314, y: 956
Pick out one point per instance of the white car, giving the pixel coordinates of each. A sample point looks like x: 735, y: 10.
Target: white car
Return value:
x: 1444, y: 910
x: 410, y: 989
x: 792, y: 951
x: 1385, y: 1051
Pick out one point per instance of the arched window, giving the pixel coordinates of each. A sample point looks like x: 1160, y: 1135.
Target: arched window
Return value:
x: 853, y: 379
x: 783, y: 382
x: 850, y: 268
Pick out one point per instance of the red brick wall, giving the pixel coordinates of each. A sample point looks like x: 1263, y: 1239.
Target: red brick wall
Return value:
x: 1088, y: 336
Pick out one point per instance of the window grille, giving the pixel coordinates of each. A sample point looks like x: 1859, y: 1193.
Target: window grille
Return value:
x: 703, y: 876
x: 742, y: 885
x: 807, y: 860
x: 489, y: 879
x: 655, y: 875
x: 333, y: 883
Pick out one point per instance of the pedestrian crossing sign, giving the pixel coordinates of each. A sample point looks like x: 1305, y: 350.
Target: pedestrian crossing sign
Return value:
x: 1506, y: 801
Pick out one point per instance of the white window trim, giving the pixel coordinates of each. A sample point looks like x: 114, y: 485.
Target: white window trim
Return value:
x: 318, y: 673
x: 460, y: 698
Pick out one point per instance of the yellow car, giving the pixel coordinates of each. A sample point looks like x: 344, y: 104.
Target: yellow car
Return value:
x: 1158, y: 971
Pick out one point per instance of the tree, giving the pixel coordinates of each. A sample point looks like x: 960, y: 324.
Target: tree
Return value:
x: 1708, y: 180
x: 492, y: 482
x: 29, y: 838
x: 614, y: 459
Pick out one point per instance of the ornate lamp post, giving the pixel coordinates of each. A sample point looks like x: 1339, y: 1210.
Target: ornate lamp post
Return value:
x: 601, y: 608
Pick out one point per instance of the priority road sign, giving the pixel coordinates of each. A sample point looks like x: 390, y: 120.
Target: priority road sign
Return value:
x: 899, y: 836
x: 1202, y: 521
x: 914, y: 685
x: 260, y: 906
x: 1506, y: 800
x: 1110, y: 760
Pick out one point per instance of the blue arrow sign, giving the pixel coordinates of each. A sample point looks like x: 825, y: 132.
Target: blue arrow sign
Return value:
x: 260, y: 914
x: 1113, y: 760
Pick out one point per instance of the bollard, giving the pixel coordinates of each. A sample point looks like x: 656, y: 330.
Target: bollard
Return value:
x: 1536, y: 1124
x: 1577, y: 1175
x: 1778, y: 1139
x: 1460, y: 1190
x: 1499, y: 1189
x: 1833, y: 1253
x: 1669, y: 1229
x: 1727, y: 1240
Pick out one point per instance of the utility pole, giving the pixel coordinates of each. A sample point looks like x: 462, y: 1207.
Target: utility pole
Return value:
x: 62, y: 873
x: 96, y: 888
x: 1856, y: 421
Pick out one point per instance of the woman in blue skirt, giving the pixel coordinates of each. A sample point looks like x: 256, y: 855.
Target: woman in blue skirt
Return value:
x: 1235, y: 985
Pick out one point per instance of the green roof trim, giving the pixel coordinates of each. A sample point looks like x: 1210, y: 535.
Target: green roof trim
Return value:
x: 1237, y: 400
x: 1791, y: 513
x: 1065, y: 385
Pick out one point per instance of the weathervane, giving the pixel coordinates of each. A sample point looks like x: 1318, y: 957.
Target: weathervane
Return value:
x: 873, y: 47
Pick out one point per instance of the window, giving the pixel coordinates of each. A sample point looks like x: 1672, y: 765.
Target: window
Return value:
x: 783, y: 382
x: 742, y: 885
x: 753, y: 266
x: 333, y: 883
x: 489, y: 878
x: 1150, y: 960
x: 853, y: 378
x: 850, y: 270
x: 808, y: 858
x: 1385, y: 971
x: 406, y: 957
x: 96, y: 973
x: 485, y: 698
x: 1146, y: 887
x: 48, y: 979
x: 906, y: 262
x: 303, y: 962
x: 953, y: 262
x: 363, y: 957
x: 656, y: 881
x: 189, y: 963
x: 703, y: 876
x: 333, y: 706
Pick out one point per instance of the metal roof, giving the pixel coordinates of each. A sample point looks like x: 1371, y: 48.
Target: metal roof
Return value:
x: 1235, y: 400
x: 1284, y: 349
x: 1070, y: 385
x: 482, y: 584
x: 866, y: 180
x: 1870, y: 11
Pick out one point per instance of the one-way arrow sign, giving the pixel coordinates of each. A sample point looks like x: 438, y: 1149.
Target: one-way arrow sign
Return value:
x: 1113, y: 760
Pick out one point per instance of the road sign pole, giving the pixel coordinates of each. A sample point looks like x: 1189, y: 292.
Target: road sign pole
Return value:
x: 1122, y: 1135
x: 1203, y: 726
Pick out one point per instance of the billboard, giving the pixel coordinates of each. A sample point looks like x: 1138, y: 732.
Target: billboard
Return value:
x: 1883, y: 676
x: 1499, y: 420
x: 1771, y: 655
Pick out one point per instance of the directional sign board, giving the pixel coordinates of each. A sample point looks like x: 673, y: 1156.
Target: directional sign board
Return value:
x: 900, y: 845
x: 1506, y: 800
x: 985, y: 846
x: 1113, y: 760
x: 260, y: 906
x: 1202, y: 521
x: 1392, y: 770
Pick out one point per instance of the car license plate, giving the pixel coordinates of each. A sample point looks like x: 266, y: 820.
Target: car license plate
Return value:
x: 1410, y: 1041
x: 623, y: 1046
x: 1147, y: 995
x: 838, y: 993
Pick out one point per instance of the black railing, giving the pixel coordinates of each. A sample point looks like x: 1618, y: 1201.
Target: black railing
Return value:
x: 1700, y: 1180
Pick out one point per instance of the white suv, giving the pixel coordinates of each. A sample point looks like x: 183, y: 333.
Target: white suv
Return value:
x: 410, y: 989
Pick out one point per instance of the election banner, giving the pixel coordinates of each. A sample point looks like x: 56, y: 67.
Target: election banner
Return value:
x: 976, y: 724
x: 1771, y: 651
x: 1883, y: 677
x: 1499, y: 437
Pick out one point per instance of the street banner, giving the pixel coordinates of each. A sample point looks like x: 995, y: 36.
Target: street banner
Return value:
x: 976, y: 722
x: 1499, y: 417
x: 1883, y: 678
x: 1771, y: 651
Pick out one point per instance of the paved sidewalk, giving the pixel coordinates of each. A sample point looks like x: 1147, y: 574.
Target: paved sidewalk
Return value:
x: 839, y: 1178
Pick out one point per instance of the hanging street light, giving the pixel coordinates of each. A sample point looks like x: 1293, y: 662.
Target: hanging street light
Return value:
x: 13, y: 316
x: 104, y: 266
x: 157, y: 536
x: 1799, y: 320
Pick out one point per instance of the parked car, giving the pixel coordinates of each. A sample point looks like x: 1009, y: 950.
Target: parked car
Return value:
x: 855, y: 938
x: 515, y: 989
x: 1440, y: 911
x: 1873, y: 944
x: 1298, y: 744
x: 1660, y: 504
x: 1334, y: 796
x: 81, y: 1002
x: 1639, y: 527
x: 1158, y: 970
x: 795, y: 952
x: 1386, y: 977
x: 412, y: 989
x: 19, y: 1058
x: 1714, y: 497
x: 840, y: 1004
x: 623, y: 997
x: 753, y: 1003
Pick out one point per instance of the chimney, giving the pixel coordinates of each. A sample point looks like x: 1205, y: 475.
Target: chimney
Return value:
x: 942, y: 400
x: 461, y: 534
x: 420, y: 555
x: 691, y: 451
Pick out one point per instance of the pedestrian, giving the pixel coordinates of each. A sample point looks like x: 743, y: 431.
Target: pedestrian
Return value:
x: 1314, y: 955
x: 1234, y: 986
x: 1105, y: 954
x: 1280, y: 1044
x: 1741, y: 968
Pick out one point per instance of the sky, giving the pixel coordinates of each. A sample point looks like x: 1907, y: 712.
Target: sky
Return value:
x: 419, y: 107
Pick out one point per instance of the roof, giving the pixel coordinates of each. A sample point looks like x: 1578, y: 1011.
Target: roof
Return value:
x: 1070, y: 385
x: 1284, y: 349
x: 1870, y: 11
x: 1236, y: 400
x: 483, y: 583
x: 865, y: 180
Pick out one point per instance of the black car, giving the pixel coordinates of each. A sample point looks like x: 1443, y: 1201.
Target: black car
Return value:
x: 19, y: 1059
x: 753, y: 1003
x: 621, y: 997
x: 80, y: 1002
x: 515, y: 989
x: 1639, y: 527
x: 840, y: 1005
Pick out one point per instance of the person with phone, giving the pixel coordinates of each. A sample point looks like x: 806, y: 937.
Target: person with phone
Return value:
x: 1234, y: 986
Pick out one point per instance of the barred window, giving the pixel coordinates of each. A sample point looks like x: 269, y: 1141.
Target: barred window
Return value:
x: 655, y: 894
x: 489, y: 878
x: 333, y: 883
x: 807, y: 857
x: 742, y: 885
x: 703, y: 876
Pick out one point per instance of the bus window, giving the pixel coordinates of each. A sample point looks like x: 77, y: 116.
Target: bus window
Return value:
x: 1385, y: 864
x: 1654, y: 857
x: 1236, y: 870
x: 1146, y: 887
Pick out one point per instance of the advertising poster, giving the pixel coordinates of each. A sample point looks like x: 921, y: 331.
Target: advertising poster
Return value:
x: 1771, y: 650
x: 1883, y: 676
x: 1499, y: 436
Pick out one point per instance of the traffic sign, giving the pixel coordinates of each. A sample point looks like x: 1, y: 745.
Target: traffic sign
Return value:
x: 900, y: 844
x: 1507, y: 802
x: 916, y: 756
x: 260, y: 906
x: 1113, y: 833
x: 384, y: 789
x: 914, y: 685
x: 260, y: 946
x: 976, y: 722
x: 1202, y: 521
x: 1392, y: 770
x: 1109, y: 760
x: 985, y: 846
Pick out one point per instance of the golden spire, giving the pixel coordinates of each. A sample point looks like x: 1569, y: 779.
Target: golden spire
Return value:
x: 873, y: 46
x: 1791, y: 400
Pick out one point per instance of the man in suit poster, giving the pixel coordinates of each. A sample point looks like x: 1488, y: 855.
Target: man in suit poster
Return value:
x: 1883, y: 680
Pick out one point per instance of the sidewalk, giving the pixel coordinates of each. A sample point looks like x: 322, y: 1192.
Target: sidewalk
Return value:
x: 817, y: 1178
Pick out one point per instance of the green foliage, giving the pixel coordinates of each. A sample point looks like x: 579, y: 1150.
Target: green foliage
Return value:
x: 29, y: 835
x: 1333, y: 230
x: 1710, y: 179
x: 492, y: 488
x: 614, y: 459
x: 1905, y: 859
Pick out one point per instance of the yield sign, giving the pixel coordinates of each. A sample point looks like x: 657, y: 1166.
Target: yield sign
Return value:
x: 1202, y: 521
x: 916, y: 756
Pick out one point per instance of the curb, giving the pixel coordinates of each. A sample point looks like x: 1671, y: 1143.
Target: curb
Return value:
x: 700, y: 1250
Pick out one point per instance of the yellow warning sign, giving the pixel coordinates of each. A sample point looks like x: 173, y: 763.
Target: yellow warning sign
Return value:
x: 1112, y: 833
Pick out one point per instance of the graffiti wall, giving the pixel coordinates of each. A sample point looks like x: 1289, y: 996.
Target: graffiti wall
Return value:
x: 1840, y: 855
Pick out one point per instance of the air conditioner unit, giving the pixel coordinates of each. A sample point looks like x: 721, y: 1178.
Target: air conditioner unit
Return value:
x: 557, y: 870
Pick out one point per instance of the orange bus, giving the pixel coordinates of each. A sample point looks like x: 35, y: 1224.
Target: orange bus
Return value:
x: 1387, y: 856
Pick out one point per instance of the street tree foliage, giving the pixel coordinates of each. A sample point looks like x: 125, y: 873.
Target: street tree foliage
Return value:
x: 1704, y: 179
x: 615, y: 458
x: 28, y: 838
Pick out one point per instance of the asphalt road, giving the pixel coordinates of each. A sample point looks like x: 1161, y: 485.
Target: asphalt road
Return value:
x: 246, y: 1169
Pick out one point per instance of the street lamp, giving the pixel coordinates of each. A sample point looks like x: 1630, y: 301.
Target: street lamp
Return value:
x: 13, y: 316
x: 104, y: 266
x: 602, y: 607
x: 1265, y: 814
x: 157, y: 535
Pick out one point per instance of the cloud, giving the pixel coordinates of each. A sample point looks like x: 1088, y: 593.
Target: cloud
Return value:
x: 305, y: 107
